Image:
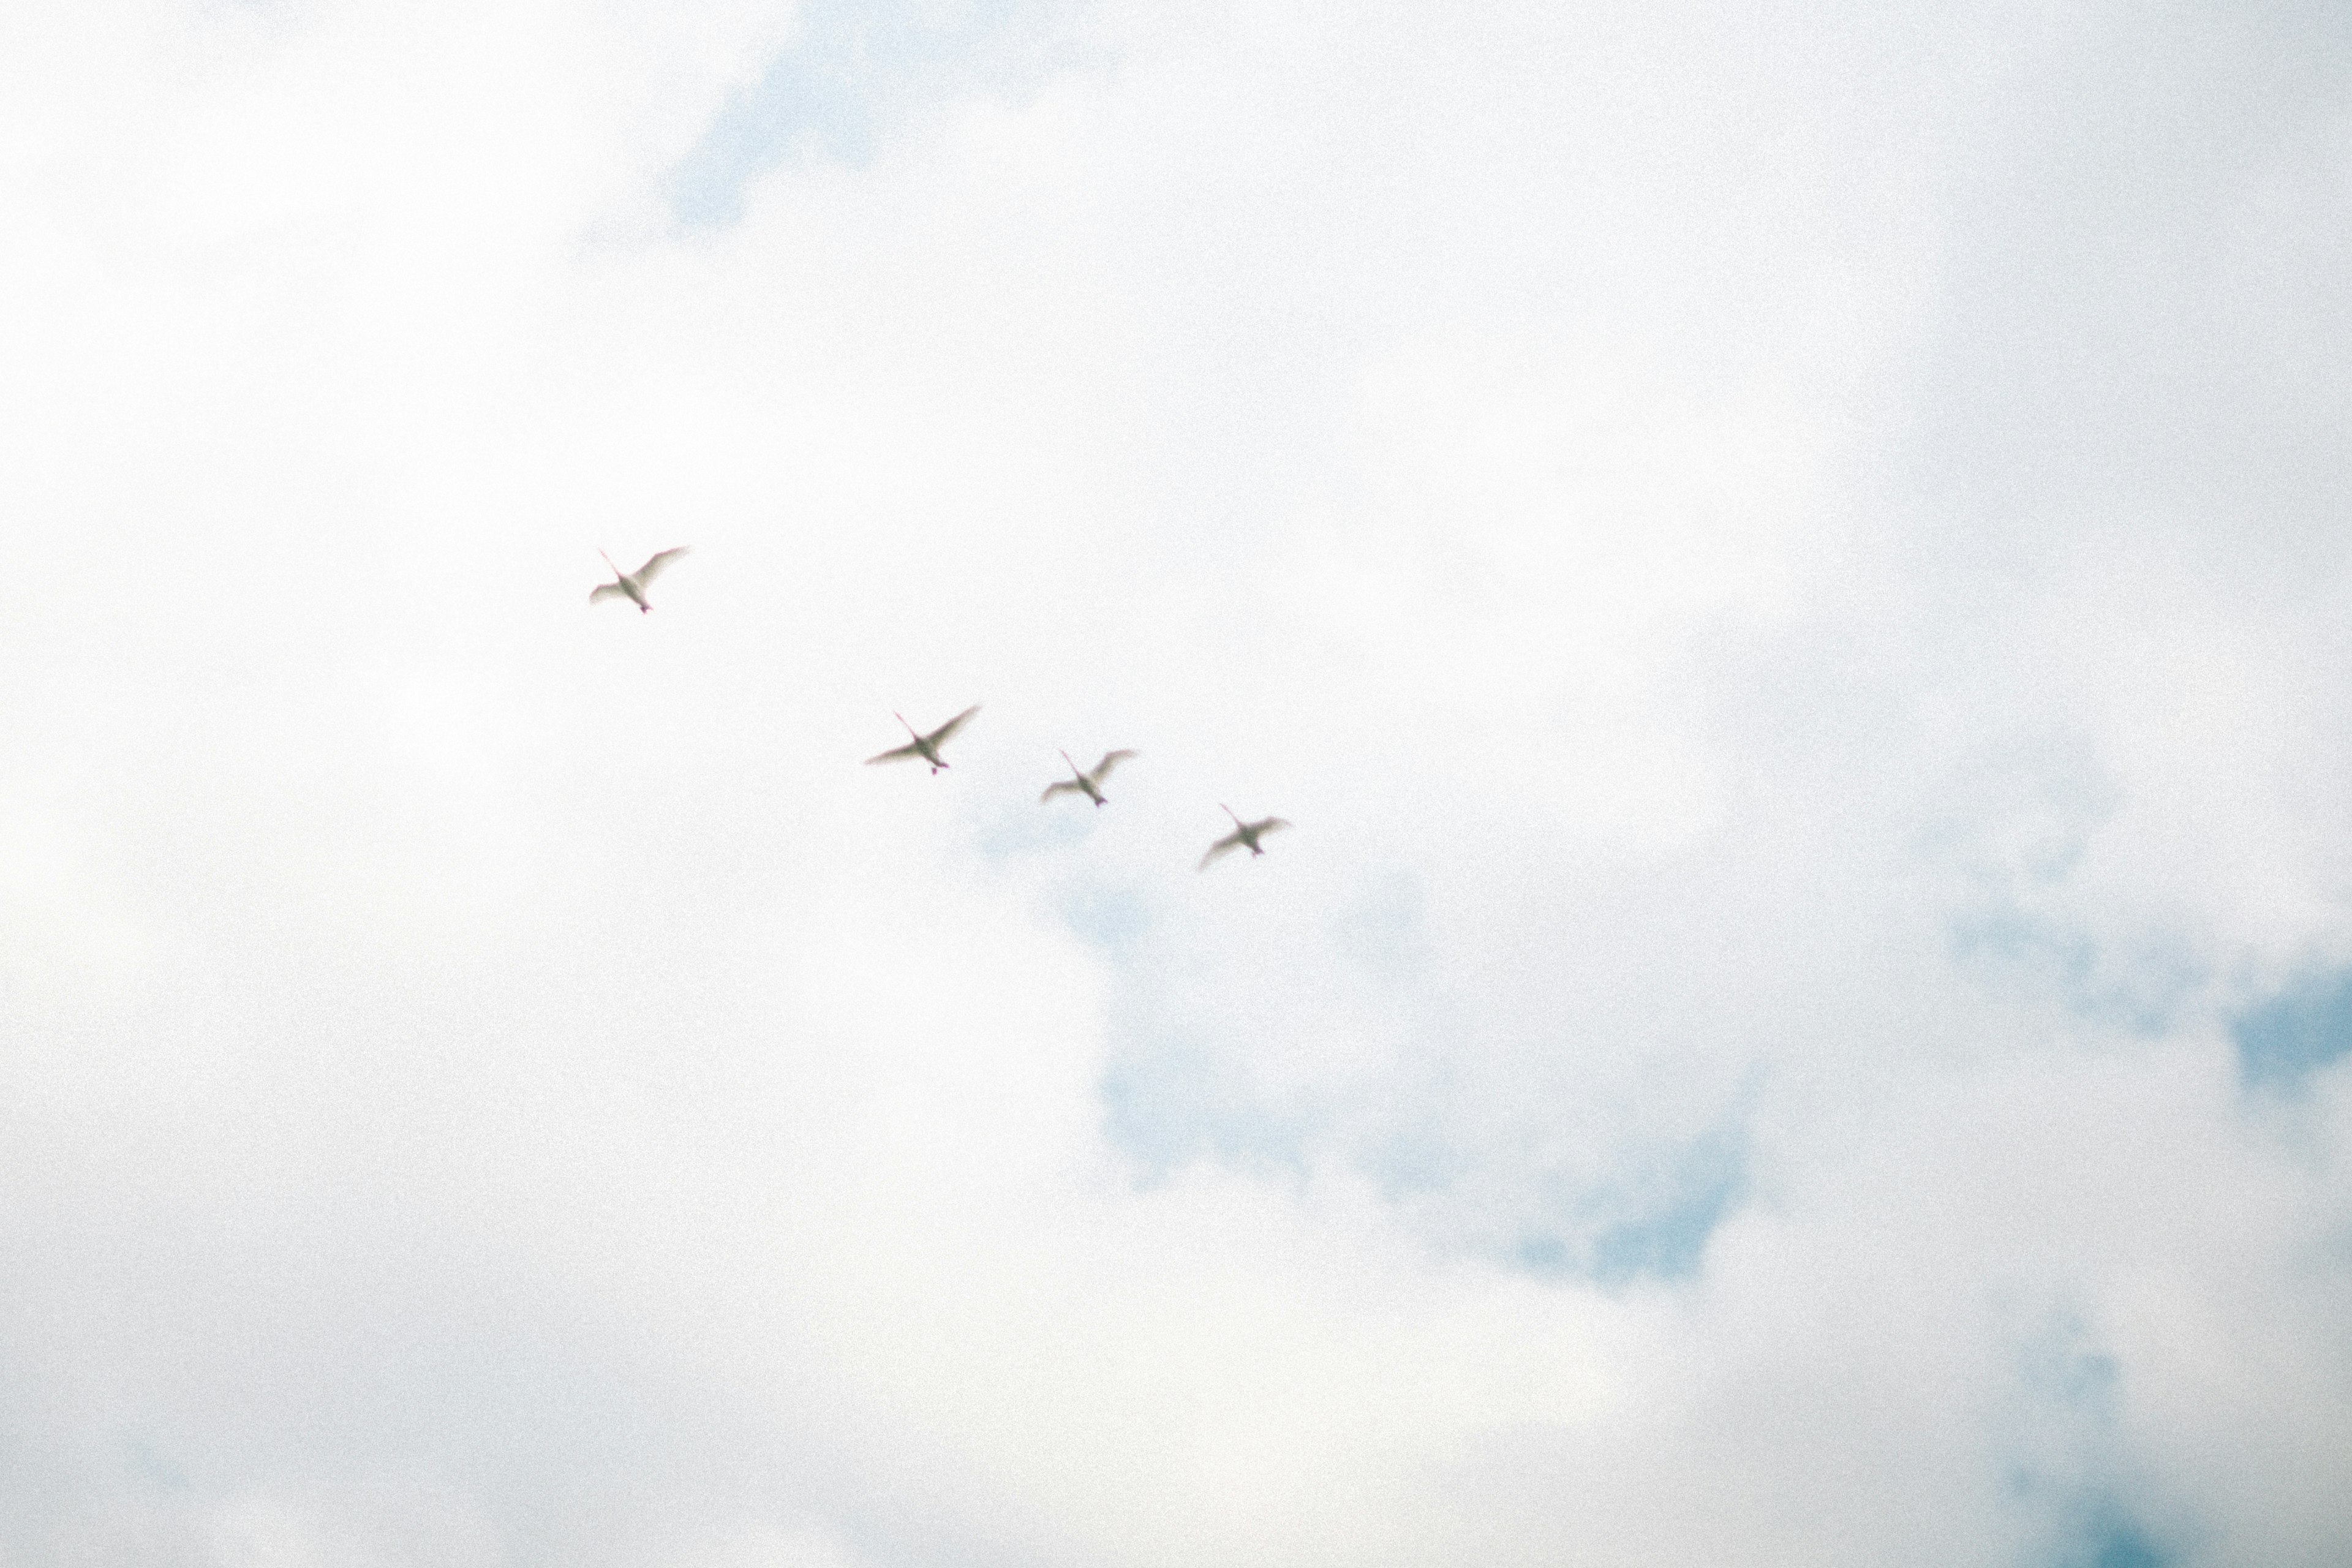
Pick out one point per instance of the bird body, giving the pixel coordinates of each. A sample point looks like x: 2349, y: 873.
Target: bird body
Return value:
x: 1081, y: 781
x: 925, y: 746
x: 1244, y: 835
x: 632, y: 586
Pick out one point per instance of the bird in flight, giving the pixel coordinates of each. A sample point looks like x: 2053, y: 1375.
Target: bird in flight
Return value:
x: 1081, y: 781
x: 925, y: 746
x: 1244, y: 835
x: 632, y: 586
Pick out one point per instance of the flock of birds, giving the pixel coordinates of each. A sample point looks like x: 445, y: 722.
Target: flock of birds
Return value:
x: 1088, y: 782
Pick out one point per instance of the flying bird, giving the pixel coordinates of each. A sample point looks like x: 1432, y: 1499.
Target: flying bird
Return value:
x: 1083, y: 783
x: 1244, y: 835
x: 633, y: 585
x: 925, y: 746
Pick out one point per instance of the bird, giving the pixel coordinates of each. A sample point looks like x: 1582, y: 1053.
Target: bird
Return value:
x: 926, y: 746
x: 1244, y: 835
x: 1083, y: 783
x: 633, y: 585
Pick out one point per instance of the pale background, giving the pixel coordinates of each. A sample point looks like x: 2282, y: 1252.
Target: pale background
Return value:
x: 1788, y: 561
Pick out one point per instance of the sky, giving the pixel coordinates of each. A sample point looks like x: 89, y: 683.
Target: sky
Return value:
x: 1788, y: 563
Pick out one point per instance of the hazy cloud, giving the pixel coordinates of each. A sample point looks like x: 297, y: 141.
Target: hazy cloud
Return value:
x: 1789, y: 570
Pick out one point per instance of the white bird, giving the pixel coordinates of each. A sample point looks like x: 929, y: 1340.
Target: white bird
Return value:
x: 633, y: 585
x: 1083, y: 783
x: 925, y: 746
x: 1244, y: 835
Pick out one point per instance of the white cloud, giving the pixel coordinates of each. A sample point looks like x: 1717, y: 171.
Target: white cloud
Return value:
x: 1798, y: 682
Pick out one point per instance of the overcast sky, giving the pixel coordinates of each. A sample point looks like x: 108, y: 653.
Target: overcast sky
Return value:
x: 1788, y: 563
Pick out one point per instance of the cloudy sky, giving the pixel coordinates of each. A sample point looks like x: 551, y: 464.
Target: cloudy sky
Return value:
x: 1789, y: 563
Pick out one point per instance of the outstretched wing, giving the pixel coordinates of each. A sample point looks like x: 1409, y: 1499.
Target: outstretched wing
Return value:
x: 900, y: 755
x: 1110, y: 760
x: 604, y: 591
x: 656, y: 564
x: 1064, y: 787
x: 939, y: 737
x: 1225, y: 845
x: 1268, y: 825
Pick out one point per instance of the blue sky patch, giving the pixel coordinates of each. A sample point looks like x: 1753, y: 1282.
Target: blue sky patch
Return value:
x: 2141, y: 990
x: 2105, y: 1535
x: 2281, y: 1042
x: 2070, y: 1455
x: 1653, y: 1224
x: 1173, y: 1106
x: 1114, y: 919
x: 851, y: 70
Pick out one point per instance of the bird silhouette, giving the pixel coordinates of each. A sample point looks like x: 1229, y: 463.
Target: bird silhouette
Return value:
x: 1244, y: 835
x: 632, y: 586
x: 1083, y: 783
x: 925, y: 746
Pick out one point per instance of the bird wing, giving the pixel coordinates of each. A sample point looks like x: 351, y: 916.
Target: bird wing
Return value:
x: 656, y: 564
x: 604, y: 591
x: 1229, y: 842
x: 939, y: 737
x: 1064, y: 787
x: 1110, y: 760
x: 900, y: 755
x: 1268, y: 825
